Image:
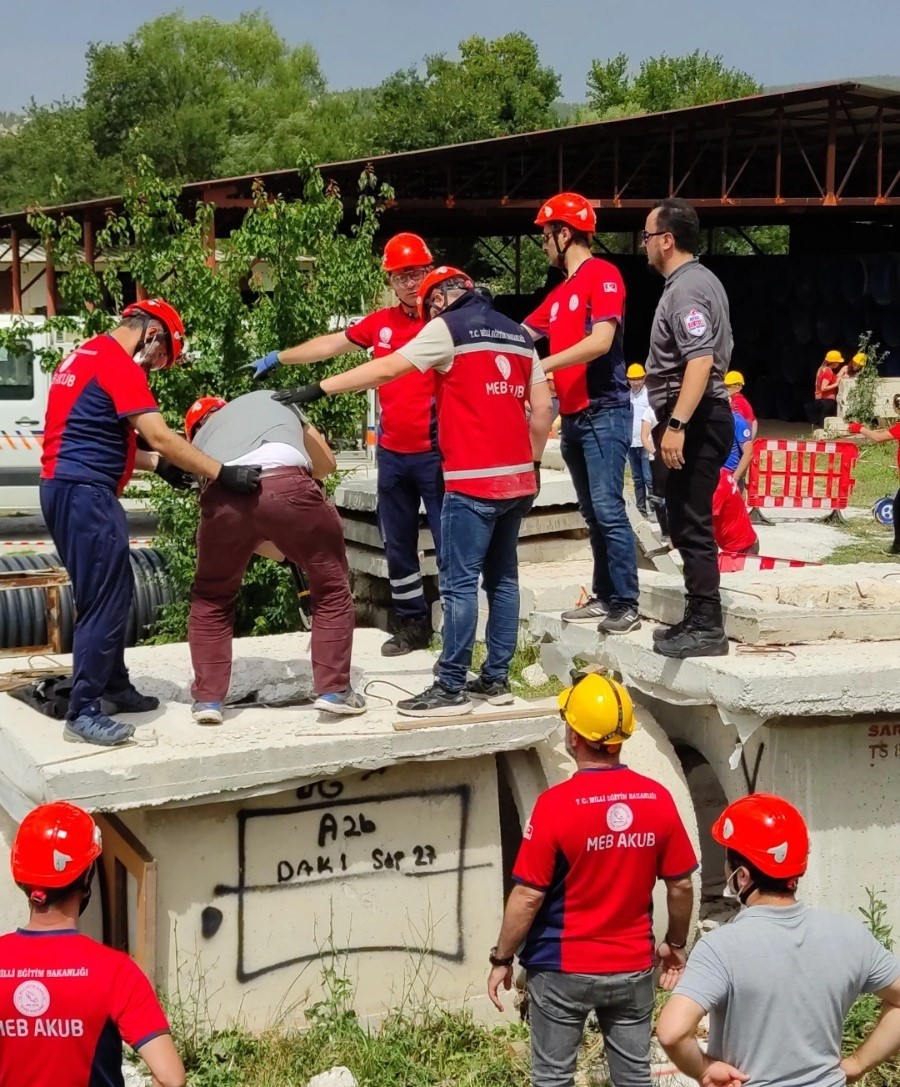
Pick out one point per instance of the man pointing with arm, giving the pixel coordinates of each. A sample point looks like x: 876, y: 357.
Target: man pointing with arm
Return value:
x: 487, y: 372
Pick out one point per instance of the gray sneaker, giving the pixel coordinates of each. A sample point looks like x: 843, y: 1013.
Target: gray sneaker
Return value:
x: 97, y: 728
x: 622, y: 619
x: 590, y: 612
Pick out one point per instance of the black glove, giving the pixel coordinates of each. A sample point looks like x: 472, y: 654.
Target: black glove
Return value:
x: 537, y: 476
x: 173, y: 475
x: 302, y: 394
x: 240, y: 478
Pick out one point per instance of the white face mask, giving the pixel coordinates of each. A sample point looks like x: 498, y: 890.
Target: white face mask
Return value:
x: 730, y: 891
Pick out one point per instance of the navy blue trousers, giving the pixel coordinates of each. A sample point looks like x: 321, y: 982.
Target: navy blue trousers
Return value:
x: 405, y: 479
x: 90, y: 532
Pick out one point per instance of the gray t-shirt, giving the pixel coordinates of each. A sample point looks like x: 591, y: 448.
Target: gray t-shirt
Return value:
x: 691, y: 320
x: 246, y: 424
x: 777, y: 983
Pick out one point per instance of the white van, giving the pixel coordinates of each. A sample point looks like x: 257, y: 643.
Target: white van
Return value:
x: 23, y: 402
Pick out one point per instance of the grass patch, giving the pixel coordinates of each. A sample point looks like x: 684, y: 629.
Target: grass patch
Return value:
x: 867, y: 541
x: 875, y: 473
x: 434, y: 1048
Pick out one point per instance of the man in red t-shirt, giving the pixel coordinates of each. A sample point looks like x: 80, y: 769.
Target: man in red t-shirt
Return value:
x: 99, y: 401
x: 68, y: 1003
x: 826, y: 387
x: 583, y: 318
x: 579, y: 916
x: 732, y: 527
x: 409, y: 465
x: 891, y: 434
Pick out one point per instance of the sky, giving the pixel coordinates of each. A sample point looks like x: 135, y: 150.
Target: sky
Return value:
x: 360, y: 42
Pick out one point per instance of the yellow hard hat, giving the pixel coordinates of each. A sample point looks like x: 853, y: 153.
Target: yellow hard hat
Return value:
x: 734, y: 377
x: 859, y: 359
x: 834, y: 356
x: 635, y: 372
x: 597, y: 708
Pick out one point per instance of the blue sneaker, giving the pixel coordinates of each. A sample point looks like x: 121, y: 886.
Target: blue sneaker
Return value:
x: 97, y: 728
x: 207, y: 713
x: 346, y: 703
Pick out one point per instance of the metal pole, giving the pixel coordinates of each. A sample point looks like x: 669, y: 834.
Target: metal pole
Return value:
x: 16, y: 272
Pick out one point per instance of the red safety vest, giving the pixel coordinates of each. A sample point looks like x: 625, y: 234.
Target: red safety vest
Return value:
x: 482, y: 426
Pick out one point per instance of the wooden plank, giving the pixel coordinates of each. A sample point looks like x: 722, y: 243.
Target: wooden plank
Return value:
x: 123, y: 855
x: 548, y: 708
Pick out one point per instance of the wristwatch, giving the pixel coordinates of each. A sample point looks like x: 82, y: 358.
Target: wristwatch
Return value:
x: 676, y: 424
x: 495, y: 961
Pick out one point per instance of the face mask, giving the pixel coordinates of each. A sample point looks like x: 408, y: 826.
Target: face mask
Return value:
x: 730, y: 891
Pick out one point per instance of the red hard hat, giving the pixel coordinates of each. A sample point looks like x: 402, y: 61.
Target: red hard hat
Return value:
x: 768, y: 831
x: 405, y: 251
x: 162, y: 311
x: 54, y: 845
x: 570, y: 208
x: 434, y: 279
x: 199, y: 410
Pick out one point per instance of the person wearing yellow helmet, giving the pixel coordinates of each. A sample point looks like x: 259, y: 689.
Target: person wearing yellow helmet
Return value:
x: 740, y: 405
x: 638, y: 457
x: 579, y: 914
x: 825, y: 403
x: 851, y: 372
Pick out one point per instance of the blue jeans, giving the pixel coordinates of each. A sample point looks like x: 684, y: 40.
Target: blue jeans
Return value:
x: 595, y: 447
x: 559, y: 1004
x: 479, y: 537
x: 639, y: 463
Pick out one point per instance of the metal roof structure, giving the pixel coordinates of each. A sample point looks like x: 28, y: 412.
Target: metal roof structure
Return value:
x: 767, y: 158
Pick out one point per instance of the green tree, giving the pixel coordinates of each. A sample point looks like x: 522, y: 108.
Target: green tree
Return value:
x: 662, y: 83
x: 264, y: 292
x: 50, y: 158
x: 201, y: 97
x: 496, y: 88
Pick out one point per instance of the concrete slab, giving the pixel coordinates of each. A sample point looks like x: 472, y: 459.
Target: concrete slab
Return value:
x: 363, y: 529
x: 859, y: 601
x: 257, y: 750
x: 360, y: 493
x: 804, y: 681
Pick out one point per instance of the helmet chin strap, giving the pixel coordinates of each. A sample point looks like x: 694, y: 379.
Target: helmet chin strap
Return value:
x: 560, y: 253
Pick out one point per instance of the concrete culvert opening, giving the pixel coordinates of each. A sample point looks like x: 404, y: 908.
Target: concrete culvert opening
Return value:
x: 709, y: 800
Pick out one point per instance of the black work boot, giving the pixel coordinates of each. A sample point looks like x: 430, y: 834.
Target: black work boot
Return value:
x: 702, y: 635
x: 413, y: 634
x: 675, y: 628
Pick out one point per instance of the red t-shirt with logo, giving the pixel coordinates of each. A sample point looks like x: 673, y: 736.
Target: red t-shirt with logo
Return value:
x: 595, y: 292
x: 87, y: 435
x: 732, y: 527
x: 66, y: 1005
x: 408, y: 420
x: 596, y: 844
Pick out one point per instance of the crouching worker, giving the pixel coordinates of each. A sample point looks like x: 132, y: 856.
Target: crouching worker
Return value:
x: 67, y: 1022
x: 289, y: 511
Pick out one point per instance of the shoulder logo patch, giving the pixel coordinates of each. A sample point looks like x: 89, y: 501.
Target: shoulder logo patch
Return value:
x: 695, y: 323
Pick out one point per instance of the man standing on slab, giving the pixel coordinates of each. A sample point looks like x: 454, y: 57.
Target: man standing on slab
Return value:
x: 690, y: 348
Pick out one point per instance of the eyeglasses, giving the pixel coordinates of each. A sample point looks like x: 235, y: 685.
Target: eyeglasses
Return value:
x: 411, y: 278
x: 646, y: 235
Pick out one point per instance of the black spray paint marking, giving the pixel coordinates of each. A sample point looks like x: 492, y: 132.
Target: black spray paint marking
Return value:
x: 243, y: 889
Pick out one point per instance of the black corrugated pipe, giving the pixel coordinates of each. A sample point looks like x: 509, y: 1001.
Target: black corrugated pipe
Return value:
x: 23, y: 620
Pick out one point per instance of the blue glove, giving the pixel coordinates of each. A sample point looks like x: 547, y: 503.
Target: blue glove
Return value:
x: 262, y: 366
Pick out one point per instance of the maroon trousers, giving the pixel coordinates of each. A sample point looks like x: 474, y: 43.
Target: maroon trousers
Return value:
x: 290, y: 510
